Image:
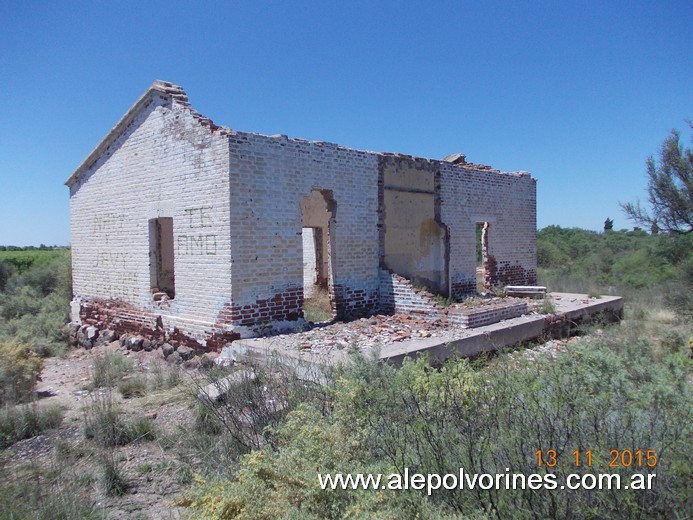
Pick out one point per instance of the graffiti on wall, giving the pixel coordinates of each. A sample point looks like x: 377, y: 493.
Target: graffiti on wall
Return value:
x: 111, y: 259
x: 195, y: 243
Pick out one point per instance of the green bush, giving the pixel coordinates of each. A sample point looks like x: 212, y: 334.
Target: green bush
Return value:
x: 618, y: 258
x: 36, y: 290
x: 282, y: 482
x: 23, y: 260
x: 627, y: 263
x: 549, y: 255
x: 607, y: 393
x: 6, y: 271
x: 602, y: 395
x: 679, y: 295
x: 252, y: 400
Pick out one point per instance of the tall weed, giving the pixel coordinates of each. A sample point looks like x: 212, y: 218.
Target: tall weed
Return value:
x: 26, y: 421
x: 106, y: 424
x: 108, y: 369
x: 19, y: 371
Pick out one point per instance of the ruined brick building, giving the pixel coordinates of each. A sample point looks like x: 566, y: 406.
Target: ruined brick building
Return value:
x: 180, y: 226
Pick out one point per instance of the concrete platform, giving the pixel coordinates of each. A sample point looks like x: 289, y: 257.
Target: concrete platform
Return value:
x: 571, y: 310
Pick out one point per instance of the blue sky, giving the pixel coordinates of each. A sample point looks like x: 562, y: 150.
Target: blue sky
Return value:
x: 577, y: 93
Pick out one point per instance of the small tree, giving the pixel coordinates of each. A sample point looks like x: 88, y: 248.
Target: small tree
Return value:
x: 669, y: 189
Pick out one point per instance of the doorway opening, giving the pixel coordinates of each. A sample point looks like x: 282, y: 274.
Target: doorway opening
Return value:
x: 162, y: 278
x: 482, y: 257
x: 318, y: 212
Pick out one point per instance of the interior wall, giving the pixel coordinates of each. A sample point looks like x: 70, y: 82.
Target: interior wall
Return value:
x: 414, y: 241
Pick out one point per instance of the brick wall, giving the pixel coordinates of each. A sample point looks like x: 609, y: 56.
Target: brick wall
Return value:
x: 162, y: 163
x: 486, y: 315
x: 508, y: 203
x: 399, y: 296
x: 413, y: 239
x: 238, y: 204
x: 270, y: 176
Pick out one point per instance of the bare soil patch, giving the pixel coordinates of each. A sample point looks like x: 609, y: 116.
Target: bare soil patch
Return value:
x: 153, y: 469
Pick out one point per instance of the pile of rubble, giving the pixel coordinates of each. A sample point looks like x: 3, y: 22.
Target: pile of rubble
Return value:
x: 366, y: 333
x: 360, y: 335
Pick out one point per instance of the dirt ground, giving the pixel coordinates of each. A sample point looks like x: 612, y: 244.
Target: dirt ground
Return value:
x: 154, y: 472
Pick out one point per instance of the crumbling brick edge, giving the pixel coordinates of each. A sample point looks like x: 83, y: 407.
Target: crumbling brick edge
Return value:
x: 102, y: 321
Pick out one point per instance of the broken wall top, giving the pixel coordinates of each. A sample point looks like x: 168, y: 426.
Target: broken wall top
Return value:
x: 169, y: 92
x: 175, y: 94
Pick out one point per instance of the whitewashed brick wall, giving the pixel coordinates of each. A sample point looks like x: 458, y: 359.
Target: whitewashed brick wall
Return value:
x: 269, y: 178
x: 235, y: 200
x: 508, y: 203
x: 165, y: 165
x: 309, y: 262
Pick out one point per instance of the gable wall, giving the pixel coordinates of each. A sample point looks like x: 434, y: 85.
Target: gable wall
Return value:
x: 164, y: 165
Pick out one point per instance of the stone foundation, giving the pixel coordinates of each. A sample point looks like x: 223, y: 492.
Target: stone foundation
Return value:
x: 103, y: 321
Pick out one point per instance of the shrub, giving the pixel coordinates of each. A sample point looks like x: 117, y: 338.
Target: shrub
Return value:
x: 680, y: 294
x: 19, y: 371
x: 36, y: 290
x: 673, y: 342
x: 108, y: 369
x: 105, y: 424
x: 141, y: 428
x: 549, y: 255
x: 206, y: 421
x: 253, y: 399
x: 6, y: 271
x: 605, y: 393
x: 38, y: 493
x: 114, y: 481
x: 547, y: 306
x: 26, y: 421
x: 165, y: 375
x: 135, y: 386
x: 283, y: 482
